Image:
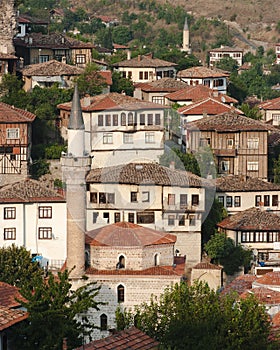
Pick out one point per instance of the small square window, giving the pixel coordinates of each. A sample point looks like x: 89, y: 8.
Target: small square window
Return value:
x: 171, y: 220
x: 9, y: 213
x: 134, y: 197
x: 9, y: 233
x: 146, y: 196
x: 181, y: 220
x: 171, y: 199
x: 45, y: 233
x: 45, y: 212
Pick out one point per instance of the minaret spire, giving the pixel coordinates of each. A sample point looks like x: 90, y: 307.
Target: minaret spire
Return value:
x: 186, y: 37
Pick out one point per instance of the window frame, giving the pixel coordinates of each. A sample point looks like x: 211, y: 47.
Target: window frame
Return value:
x: 45, y: 212
x: 9, y: 234
x: 9, y: 213
x: 45, y: 233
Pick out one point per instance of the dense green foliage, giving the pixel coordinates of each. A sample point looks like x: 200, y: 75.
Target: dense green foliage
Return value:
x: 121, y: 84
x: 90, y: 81
x: 222, y: 250
x: 197, y: 318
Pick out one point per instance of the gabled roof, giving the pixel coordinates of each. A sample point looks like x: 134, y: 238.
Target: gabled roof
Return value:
x: 269, y: 279
x: 270, y: 104
x: 161, y: 85
x: 144, y: 61
x: 51, y: 68
x: 206, y: 266
x: 126, y: 234
x: 253, y: 219
x: 140, y: 173
x: 240, y: 284
x: 238, y: 183
x: 52, y: 41
x: 6, y: 57
x: 229, y: 122
x: 11, y: 114
x: 202, y: 72
x: 28, y: 191
x: 9, y: 317
x: 131, y: 338
x: 25, y: 19
x: 112, y: 101
x: 263, y: 295
x: 8, y: 295
x: 198, y: 92
x: 208, y: 106
x: 226, y: 49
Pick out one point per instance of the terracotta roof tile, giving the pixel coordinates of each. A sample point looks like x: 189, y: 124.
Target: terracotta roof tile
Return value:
x: 240, y: 284
x: 8, y: 295
x: 145, y: 61
x: 226, y: 48
x: 162, y: 85
x: 51, y: 68
x: 28, y: 191
x: 11, y: 114
x: 252, y: 219
x: 207, y: 266
x: 126, y: 234
x: 107, y: 76
x: 209, y: 106
x: 148, y: 173
x: 237, y: 183
x: 276, y: 319
x: 263, y: 295
x: 201, y: 72
x: 270, y: 104
x: 9, y: 317
x: 269, y: 279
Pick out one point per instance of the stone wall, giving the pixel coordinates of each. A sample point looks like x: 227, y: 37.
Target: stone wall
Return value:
x: 7, y: 26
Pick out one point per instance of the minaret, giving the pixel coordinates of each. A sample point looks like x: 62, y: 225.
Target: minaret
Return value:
x: 75, y: 165
x: 186, y: 37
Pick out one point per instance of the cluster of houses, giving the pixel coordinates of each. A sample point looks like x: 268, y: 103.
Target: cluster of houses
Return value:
x: 125, y: 220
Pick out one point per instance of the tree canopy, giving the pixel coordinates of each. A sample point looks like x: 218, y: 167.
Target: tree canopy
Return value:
x: 197, y: 318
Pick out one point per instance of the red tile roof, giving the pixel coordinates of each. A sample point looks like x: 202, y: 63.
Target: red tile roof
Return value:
x: 253, y: 219
x: 263, y: 295
x: 226, y: 49
x: 9, y: 317
x: 209, y: 106
x: 161, y: 85
x: 131, y: 338
x: 240, y: 284
x: 273, y: 104
x: 126, y: 234
x: 8, y: 295
x: 51, y: 68
x: 269, y: 279
x: 144, y: 61
x: 238, y: 183
x: 28, y: 191
x: 206, y: 266
x: 10, y: 114
x: 107, y: 76
x: 202, y: 72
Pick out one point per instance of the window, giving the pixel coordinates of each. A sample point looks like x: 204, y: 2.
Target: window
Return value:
x: 221, y: 199
x: 145, y: 217
x: 230, y: 143
x: 158, y: 99
x: 145, y: 196
x: 140, y: 75
x: 9, y: 213
x: 115, y: 120
x: 171, y: 199
x: 252, y: 166
x: 275, y: 200
x: 108, y: 138
x: 181, y: 220
x: 224, y: 166
x: 45, y: 233
x: 237, y: 201
x: 195, y: 199
x: 192, y: 220
x: 204, y: 142
x: 45, y: 212
x: 150, y: 119
x: 131, y: 217
x: 106, y: 217
x: 142, y: 119
x: 93, y: 197
x: 111, y: 198
x: 157, y: 119
x: 150, y: 137
x: 80, y: 59
x: 171, y: 220
x: 103, y: 322
x: 43, y: 58
x: 94, y: 217
x: 105, y: 198
x: 229, y: 201
x: 120, y: 293
x: 117, y: 217
x: 146, y: 75
x: 134, y: 197
x: 253, y: 143
x: 127, y: 138
x: 276, y: 118
x: 121, y: 262
x: 156, y: 260
x: 266, y: 200
x: 108, y: 120
x: 130, y: 119
x: 9, y: 233
x: 100, y: 120
x: 258, y: 200
x: 183, y: 200
x: 123, y: 119
x: 13, y: 133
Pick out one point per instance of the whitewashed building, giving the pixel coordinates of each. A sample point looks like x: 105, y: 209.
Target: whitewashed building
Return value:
x: 34, y: 216
x: 215, y: 55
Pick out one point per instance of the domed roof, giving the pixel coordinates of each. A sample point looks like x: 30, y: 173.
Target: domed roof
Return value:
x: 126, y: 234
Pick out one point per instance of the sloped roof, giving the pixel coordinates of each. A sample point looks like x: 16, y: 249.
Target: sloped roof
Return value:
x: 227, y: 49
x: 8, y: 295
x: 238, y: 183
x: 202, y: 72
x: 140, y: 173
x: 162, y: 85
x: 175, y: 271
x: 253, y: 219
x: 206, y: 266
x: 9, y: 317
x: 32, y: 20
x: 198, y: 92
x: 209, y: 105
x: 269, y: 279
x: 6, y: 56
x: 144, y: 61
x: 126, y: 234
x: 231, y: 122
x: 28, y: 191
x: 107, y: 75
x: 11, y: 114
x: 131, y: 338
x: 51, y: 68
x: 263, y: 295
x: 273, y: 104
x: 114, y: 101
x: 240, y: 284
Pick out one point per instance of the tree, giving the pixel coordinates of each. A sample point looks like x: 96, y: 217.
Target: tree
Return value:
x: 223, y: 250
x: 251, y: 112
x: 121, y: 84
x: 16, y: 266
x: 55, y: 312
x: 197, y: 318
x: 90, y: 81
x: 227, y: 64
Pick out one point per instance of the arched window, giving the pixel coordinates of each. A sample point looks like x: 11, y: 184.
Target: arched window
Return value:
x: 120, y: 291
x: 121, y: 262
x: 103, y: 322
x: 156, y: 259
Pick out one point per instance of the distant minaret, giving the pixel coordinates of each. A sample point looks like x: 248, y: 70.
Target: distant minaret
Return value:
x: 75, y: 165
x: 186, y: 37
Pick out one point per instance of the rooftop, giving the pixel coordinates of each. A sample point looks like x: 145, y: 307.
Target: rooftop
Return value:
x: 51, y: 68
x: 11, y: 114
x: 162, y: 85
x: 270, y: 279
x: 202, y: 72
x: 273, y: 104
x: 145, y: 61
x: 238, y: 183
x: 9, y: 317
x: 240, y: 284
x: 8, y: 295
x: 263, y: 295
x: 206, y: 266
x: 226, y: 49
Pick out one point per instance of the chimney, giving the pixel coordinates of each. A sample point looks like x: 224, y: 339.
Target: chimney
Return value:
x: 128, y: 54
x: 86, y: 101
x: 139, y: 58
x: 63, y: 60
x: 172, y: 165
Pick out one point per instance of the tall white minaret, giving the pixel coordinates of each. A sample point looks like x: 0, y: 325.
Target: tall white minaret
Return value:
x: 75, y: 165
x: 186, y: 37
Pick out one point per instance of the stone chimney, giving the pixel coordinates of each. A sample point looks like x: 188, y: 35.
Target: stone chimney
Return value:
x: 128, y: 54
